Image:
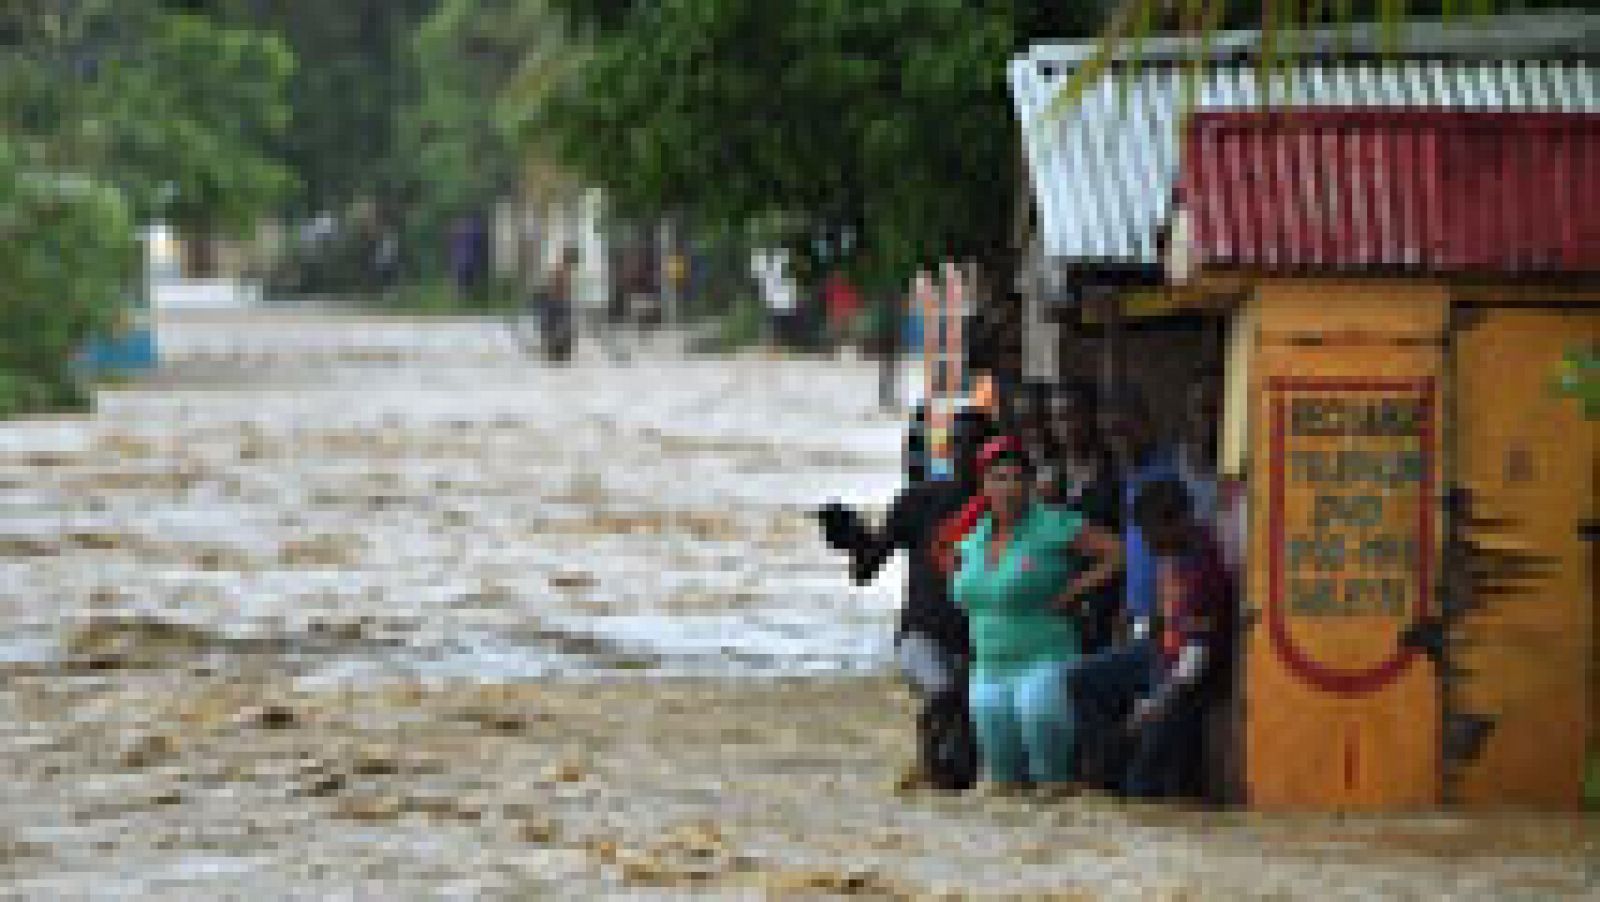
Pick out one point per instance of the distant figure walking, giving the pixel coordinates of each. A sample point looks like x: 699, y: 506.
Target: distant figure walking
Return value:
x: 469, y: 253
x: 555, y: 313
x: 779, y: 294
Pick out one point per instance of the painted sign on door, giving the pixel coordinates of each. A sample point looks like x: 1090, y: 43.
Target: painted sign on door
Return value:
x: 1350, y: 521
x: 1345, y: 431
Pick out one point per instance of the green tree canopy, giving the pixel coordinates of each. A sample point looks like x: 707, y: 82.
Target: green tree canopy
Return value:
x: 177, y: 112
x: 357, y: 75
x: 889, y: 119
x: 458, y: 140
x: 396, y: 112
x: 115, y: 112
x: 67, y: 250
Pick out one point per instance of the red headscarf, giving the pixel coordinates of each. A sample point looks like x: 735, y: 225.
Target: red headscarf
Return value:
x: 958, y: 525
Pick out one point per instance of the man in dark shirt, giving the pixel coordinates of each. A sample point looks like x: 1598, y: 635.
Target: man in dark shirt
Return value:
x: 1082, y: 477
x: 1105, y: 683
x: 931, y: 640
x: 1191, y: 633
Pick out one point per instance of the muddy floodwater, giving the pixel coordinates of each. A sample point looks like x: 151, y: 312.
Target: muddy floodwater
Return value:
x: 376, y: 609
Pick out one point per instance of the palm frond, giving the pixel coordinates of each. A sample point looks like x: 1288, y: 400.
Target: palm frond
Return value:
x: 1118, y: 28
x: 1144, y: 25
x: 1200, y: 18
x: 1132, y: 22
x: 1391, y: 24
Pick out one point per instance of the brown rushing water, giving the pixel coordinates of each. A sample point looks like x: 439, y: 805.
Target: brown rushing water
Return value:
x: 434, y: 622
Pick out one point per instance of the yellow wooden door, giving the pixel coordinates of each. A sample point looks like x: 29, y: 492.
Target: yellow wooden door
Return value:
x: 1344, y: 469
x: 1528, y: 652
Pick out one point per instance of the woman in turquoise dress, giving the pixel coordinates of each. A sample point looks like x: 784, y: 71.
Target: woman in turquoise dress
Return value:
x: 1023, y: 573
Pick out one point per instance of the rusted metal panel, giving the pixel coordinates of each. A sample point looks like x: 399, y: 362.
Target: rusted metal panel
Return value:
x: 1394, y: 190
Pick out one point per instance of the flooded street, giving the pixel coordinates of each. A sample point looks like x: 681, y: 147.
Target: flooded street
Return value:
x: 341, y: 608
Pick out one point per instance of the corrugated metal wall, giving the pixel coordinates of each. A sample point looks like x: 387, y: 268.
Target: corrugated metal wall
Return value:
x: 1105, y: 171
x: 1394, y: 189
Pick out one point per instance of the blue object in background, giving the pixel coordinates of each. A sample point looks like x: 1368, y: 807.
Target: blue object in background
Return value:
x: 911, y: 337
x: 128, y: 350
x: 133, y: 351
x: 129, y: 347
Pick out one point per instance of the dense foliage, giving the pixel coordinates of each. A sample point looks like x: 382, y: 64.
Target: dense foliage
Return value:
x: 66, y: 254
x: 888, y: 122
x: 397, y: 125
x: 113, y: 113
x: 457, y: 141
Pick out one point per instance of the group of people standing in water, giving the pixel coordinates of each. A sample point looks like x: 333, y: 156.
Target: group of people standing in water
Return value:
x: 1068, y: 614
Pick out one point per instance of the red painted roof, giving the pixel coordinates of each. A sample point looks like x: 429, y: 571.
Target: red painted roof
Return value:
x: 1394, y: 189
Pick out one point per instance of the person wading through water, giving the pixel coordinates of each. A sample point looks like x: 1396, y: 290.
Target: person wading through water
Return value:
x: 555, y: 308
x: 931, y: 642
x: 1023, y: 573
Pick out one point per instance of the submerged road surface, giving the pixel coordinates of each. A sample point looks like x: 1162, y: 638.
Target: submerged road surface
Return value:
x: 378, y: 609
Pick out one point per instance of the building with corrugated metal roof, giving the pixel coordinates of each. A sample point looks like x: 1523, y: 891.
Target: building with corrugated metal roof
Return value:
x: 1103, y: 170
x: 1376, y: 261
x: 1407, y: 283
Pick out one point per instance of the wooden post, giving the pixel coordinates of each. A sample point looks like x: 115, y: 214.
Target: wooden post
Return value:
x: 935, y: 375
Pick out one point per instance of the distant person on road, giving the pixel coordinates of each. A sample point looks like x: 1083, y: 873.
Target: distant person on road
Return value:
x: 884, y: 340
x: 644, y: 294
x: 555, y: 307
x: 842, y: 304
x: 781, y: 297
x: 676, y: 278
x: 931, y: 643
x: 469, y: 253
x: 1021, y: 578
x: 386, y: 260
